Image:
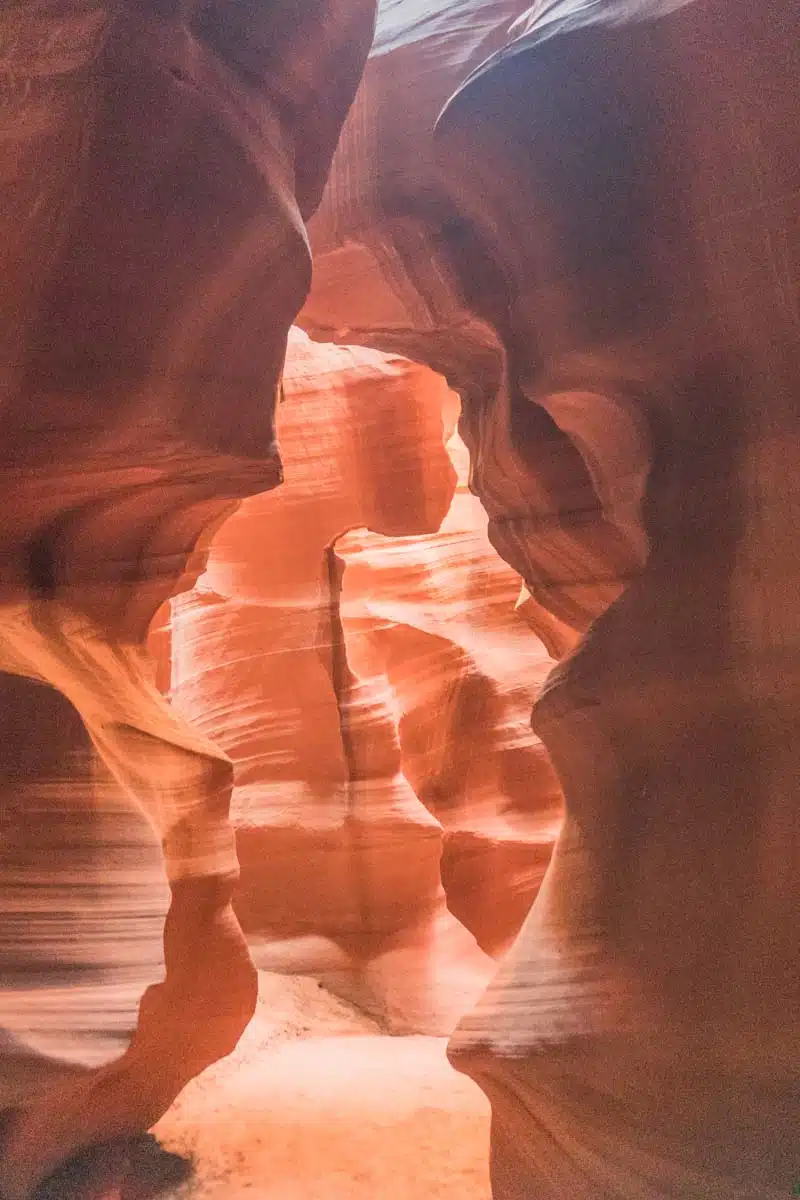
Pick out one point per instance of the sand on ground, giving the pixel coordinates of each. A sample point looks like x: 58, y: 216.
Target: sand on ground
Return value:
x: 317, y: 1104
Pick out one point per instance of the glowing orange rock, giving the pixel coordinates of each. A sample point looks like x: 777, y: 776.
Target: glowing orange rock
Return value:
x: 332, y: 840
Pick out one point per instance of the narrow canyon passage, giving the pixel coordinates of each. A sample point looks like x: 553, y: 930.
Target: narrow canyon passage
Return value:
x: 374, y: 373
x: 375, y: 892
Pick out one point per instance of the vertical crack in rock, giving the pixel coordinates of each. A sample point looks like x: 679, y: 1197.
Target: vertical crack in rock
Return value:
x: 342, y: 681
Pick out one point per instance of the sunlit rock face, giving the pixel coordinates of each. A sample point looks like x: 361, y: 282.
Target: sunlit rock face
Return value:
x: 366, y: 688
x: 606, y: 269
x: 598, y: 249
x: 436, y: 617
x: 158, y: 164
x: 259, y: 662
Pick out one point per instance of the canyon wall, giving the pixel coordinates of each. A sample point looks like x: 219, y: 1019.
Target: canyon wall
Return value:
x: 158, y: 165
x: 587, y: 224
x: 365, y: 685
x: 596, y: 242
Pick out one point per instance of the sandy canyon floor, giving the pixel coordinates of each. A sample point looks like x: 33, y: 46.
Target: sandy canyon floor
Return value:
x: 317, y: 1104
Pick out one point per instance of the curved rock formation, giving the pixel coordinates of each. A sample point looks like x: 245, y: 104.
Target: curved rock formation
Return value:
x: 339, y: 859
x: 159, y: 161
x: 599, y: 251
x: 404, y: 264
x: 331, y: 693
x: 435, y: 616
x: 609, y: 278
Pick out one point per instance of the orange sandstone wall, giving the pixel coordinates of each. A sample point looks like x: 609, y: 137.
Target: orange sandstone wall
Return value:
x: 353, y: 647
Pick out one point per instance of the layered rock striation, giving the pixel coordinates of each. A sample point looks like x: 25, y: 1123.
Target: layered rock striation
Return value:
x: 436, y: 616
x: 605, y: 267
x: 363, y: 684
x: 158, y: 164
x: 587, y: 224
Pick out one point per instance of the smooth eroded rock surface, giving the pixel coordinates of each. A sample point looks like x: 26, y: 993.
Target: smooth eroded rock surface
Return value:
x: 158, y: 163
x: 595, y: 241
x: 370, y: 697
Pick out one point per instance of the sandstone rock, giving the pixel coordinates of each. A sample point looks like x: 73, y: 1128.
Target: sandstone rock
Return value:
x: 605, y: 269
x: 158, y: 164
x: 596, y: 245
x: 436, y: 616
x: 333, y: 842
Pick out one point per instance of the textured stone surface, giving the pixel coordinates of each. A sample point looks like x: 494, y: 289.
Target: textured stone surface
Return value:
x: 436, y: 617
x: 606, y: 269
x: 158, y: 163
x: 346, y: 699
x: 598, y: 249
x: 332, y: 840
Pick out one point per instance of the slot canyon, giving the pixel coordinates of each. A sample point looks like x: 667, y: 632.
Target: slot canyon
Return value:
x: 399, y: 781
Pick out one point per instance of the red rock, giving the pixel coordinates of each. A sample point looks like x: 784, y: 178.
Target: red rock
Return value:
x: 157, y: 168
x: 596, y: 242
x: 333, y: 842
